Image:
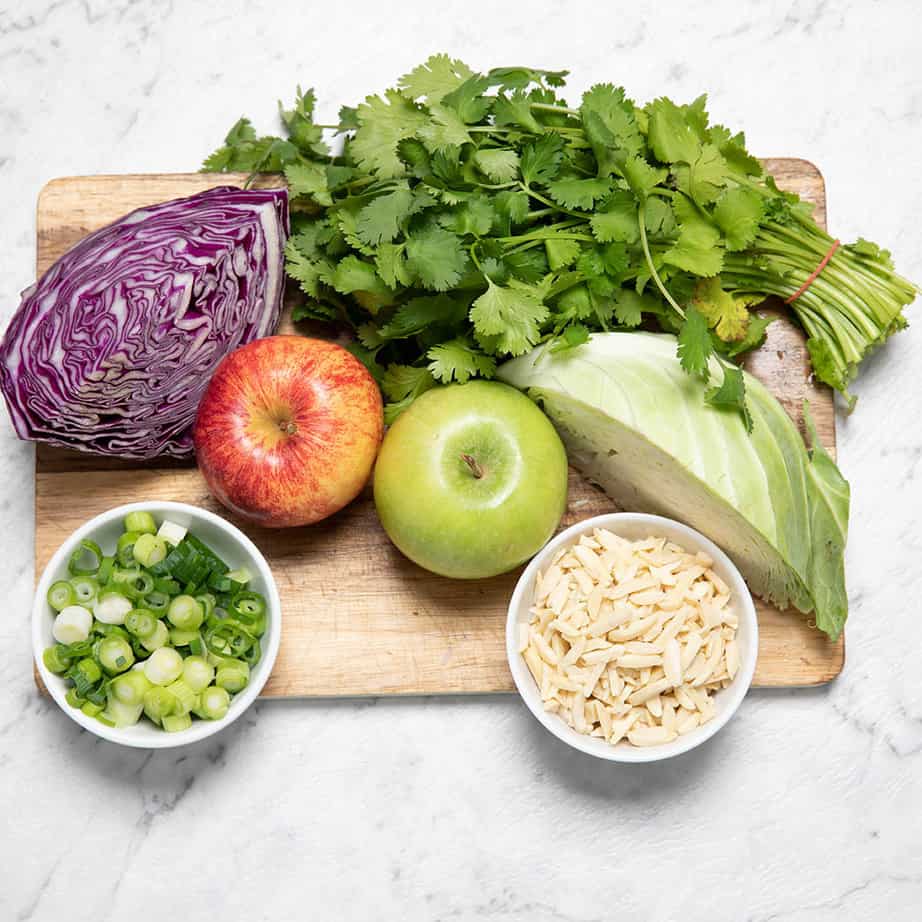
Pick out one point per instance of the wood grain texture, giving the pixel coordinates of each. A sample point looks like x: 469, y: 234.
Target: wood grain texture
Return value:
x: 359, y: 619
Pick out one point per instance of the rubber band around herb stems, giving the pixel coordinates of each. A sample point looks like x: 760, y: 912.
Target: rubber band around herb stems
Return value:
x: 814, y: 275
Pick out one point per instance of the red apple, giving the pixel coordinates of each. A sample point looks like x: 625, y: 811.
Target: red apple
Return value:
x: 288, y: 430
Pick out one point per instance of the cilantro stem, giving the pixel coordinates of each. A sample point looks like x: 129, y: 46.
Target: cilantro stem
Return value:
x: 642, y: 222
x: 560, y: 110
x: 552, y: 204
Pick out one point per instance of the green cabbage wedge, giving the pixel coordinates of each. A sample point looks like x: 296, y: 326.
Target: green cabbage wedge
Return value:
x: 635, y: 423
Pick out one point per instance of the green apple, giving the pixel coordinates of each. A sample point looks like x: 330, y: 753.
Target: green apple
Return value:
x: 471, y: 480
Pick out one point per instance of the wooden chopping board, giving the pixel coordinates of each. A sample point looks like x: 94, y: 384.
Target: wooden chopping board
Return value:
x: 358, y: 618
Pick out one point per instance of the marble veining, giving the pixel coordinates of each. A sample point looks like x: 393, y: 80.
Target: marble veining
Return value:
x: 804, y: 810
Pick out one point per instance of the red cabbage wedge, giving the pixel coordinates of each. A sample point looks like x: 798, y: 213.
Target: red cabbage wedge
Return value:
x: 110, y: 351
x: 637, y: 425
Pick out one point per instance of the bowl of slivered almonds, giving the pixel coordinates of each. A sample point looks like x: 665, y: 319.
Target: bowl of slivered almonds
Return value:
x: 632, y: 637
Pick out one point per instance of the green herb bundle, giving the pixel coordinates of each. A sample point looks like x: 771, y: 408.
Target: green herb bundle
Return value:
x: 470, y: 216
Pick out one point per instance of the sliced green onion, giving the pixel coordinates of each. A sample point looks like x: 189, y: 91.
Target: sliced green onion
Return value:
x: 72, y: 625
x: 133, y: 582
x: 157, y: 602
x: 141, y: 522
x: 228, y: 638
x: 240, y: 576
x: 121, y: 714
x: 112, y: 607
x: 207, y: 601
x: 86, y: 559
x: 55, y: 659
x: 250, y: 609
x: 86, y: 588
x: 111, y: 630
x: 172, y: 532
x: 91, y: 709
x: 104, y: 573
x: 166, y: 585
x: 197, y: 647
x: 163, y: 666
x: 89, y: 669
x: 141, y: 622
x: 160, y: 637
x: 73, y: 699
x: 77, y: 650
x: 186, y: 698
x: 182, y: 638
x: 173, y: 723
x: 129, y: 688
x: 253, y: 654
x: 99, y: 694
x: 197, y: 672
x: 115, y: 654
x: 61, y: 595
x: 158, y: 703
x: 232, y: 675
x: 125, y: 548
x: 186, y: 613
x: 149, y: 549
x: 213, y: 703
x: 219, y: 583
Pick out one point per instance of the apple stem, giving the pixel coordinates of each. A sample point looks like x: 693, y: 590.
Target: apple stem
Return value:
x: 473, y: 464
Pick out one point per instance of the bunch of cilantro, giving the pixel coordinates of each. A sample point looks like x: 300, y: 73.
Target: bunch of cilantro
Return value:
x: 469, y: 217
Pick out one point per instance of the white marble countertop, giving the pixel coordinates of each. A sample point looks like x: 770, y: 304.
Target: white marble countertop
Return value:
x: 805, y: 809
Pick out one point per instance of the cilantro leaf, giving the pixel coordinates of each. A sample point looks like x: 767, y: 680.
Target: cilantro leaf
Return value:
x: 572, y: 192
x: 459, y: 360
x: 561, y: 253
x: 512, y: 207
x: 391, y: 263
x: 640, y: 176
x: 421, y: 313
x: 401, y: 381
x: 669, y: 134
x: 472, y: 217
x: 738, y: 214
x: 617, y: 219
x: 501, y: 164
x: 299, y: 122
x: 436, y: 257
x: 435, y: 79
x: 695, y: 344
x: 382, y: 218
x: 512, y: 314
x: 309, y: 179
x: 575, y: 334
x: 443, y: 131
x: 698, y: 248
x: 515, y: 109
x: 630, y: 306
x: 705, y: 178
x: 609, y: 122
x: 755, y: 334
x: 727, y: 315
x: 731, y: 394
x: 382, y: 124
x: 353, y: 274
x: 306, y: 266
x: 541, y: 158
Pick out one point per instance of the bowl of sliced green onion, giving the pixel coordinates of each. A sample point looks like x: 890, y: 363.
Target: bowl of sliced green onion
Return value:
x: 156, y: 624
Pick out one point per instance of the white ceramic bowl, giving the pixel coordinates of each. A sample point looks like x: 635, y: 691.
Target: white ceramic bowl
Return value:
x: 636, y: 526
x: 231, y: 545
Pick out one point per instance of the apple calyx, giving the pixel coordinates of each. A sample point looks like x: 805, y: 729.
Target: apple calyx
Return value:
x: 473, y: 464
x: 288, y: 427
